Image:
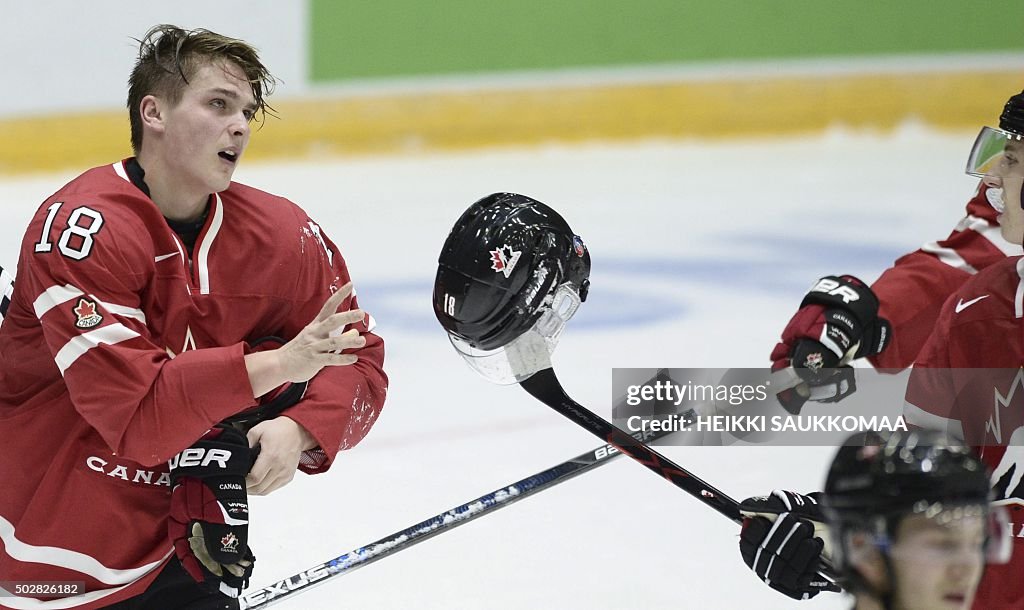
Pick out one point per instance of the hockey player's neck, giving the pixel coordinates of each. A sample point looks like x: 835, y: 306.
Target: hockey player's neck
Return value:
x: 177, y: 197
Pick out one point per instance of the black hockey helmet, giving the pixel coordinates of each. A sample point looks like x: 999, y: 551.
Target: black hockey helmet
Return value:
x: 1012, y: 118
x: 873, y: 485
x: 500, y: 269
x: 896, y: 475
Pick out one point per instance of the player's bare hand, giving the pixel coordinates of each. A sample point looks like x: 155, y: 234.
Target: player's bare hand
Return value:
x: 282, y: 441
x: 321, y: 342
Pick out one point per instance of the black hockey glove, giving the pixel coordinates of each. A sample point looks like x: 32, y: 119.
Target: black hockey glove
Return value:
x: 837, y: 322
x: 209, y: 521
x: 782, y: 540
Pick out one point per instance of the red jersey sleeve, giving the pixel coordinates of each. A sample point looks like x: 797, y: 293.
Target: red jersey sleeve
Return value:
x: 912, y: 291
x: 341, y: 403
x: 910, y: 295
x: 85, y: 267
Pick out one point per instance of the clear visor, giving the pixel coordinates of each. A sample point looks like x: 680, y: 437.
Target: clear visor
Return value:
x: 529, y: 352
x: 947, y: 536
x: 987, y: 156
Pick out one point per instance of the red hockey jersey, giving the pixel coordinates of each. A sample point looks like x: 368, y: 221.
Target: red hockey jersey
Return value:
x: 968, y: 379
x: 912, y: 291
x: 119, y: 350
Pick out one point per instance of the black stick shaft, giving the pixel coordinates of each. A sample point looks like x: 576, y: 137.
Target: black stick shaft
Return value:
x: 544, y: 386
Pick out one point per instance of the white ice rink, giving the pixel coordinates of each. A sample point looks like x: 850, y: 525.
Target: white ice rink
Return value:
x: 701, y: 251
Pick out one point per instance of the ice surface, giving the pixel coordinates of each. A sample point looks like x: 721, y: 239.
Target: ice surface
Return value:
x: 701, y: 251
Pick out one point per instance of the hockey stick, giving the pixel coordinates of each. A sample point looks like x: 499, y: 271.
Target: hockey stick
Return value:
x: 450, y: 519
x: 545, y: 387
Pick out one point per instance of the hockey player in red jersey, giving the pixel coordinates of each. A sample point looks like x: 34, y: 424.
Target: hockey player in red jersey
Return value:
x: 910, y: 293
x: 140, y: 287
x: 968, y: 375
x: 972, y: 320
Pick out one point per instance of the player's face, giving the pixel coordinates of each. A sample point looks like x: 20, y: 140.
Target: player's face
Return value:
x: 1008, y: 175
x: 938, y: 566
x: 208, y: 129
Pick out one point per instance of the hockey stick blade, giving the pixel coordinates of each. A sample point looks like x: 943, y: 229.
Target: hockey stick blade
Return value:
x: 450, y: 519
x: 545, y: 387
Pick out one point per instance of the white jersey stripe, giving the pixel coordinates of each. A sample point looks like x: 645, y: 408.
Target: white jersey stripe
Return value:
x: 188, y: 271
x: 987, y: 230
x: 949, y: 257
x: 915, y: 415
x: 68, y: 559
x: 1018, y: 299
x: 203, y: 258
x: 123, y: 311
x: 993, y: 235
x: 119, y: 170
x: 58, y: 295
x: 54, y: 296
x: 80, y: 345
x: 181, y: 252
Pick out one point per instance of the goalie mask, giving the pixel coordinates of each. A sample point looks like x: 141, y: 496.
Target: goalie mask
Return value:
x: 510, y: 275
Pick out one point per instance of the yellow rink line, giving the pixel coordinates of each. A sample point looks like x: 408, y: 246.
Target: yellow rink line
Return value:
x: 452, y: 120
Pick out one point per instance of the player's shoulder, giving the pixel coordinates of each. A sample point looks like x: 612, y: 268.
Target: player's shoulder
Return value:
x: 100, y: 212
x: 995, y: 292
x: 107, y: 179
x: 260, y: 202
x: 106, y: 190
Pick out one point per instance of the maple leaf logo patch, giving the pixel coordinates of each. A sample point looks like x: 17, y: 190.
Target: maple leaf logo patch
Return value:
x: 504, y: 259
x: 229, y: 543
x: 86, y: 313
x: 814, y: 361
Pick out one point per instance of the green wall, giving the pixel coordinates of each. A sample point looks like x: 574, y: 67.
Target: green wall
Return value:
x: 357, y: 39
